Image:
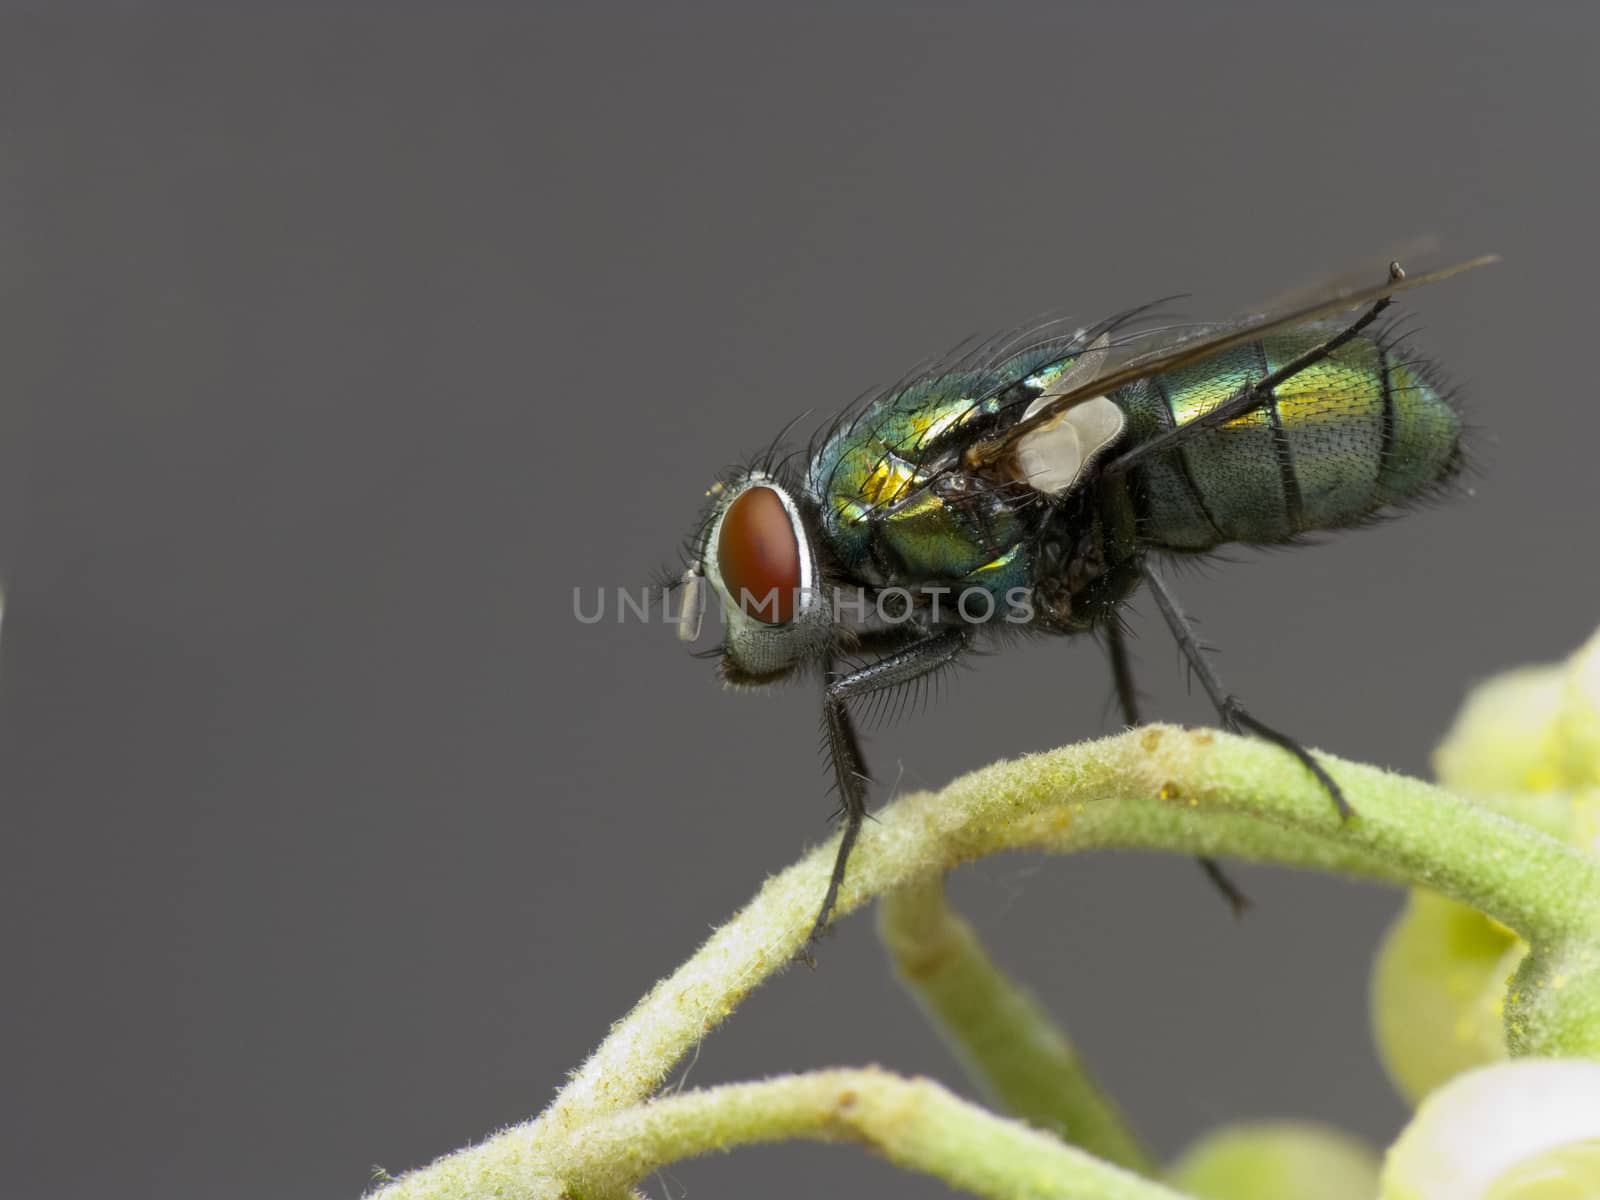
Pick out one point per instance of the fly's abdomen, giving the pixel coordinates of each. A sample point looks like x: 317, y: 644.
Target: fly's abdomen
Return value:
x: 1337, y: 442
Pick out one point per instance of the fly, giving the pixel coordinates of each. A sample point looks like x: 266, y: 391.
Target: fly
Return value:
x: 1028, y: 484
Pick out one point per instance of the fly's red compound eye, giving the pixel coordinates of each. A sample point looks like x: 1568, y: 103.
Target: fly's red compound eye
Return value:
x: 759, y: 556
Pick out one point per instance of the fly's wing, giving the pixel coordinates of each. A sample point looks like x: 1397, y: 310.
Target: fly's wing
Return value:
x: 1098, y: 374
x: 1421, y: 249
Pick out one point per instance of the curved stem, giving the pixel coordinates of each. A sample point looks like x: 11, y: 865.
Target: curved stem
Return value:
x: 1006, y: 1041
x: 1195, y: 792
x: 914, y: 1123
x: 1192, y: 791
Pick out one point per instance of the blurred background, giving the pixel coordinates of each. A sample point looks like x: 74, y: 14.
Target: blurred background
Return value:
x: 339, y: 344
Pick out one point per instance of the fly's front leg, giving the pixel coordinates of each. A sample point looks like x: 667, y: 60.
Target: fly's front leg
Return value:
x: 1234, y: 716
x: 850, y: 770
x: 1128, y: 699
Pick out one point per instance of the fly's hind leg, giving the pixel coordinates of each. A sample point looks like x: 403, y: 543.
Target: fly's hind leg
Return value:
x: 920, y: 658
x: 1128, y: 699
x: 1233, y: 714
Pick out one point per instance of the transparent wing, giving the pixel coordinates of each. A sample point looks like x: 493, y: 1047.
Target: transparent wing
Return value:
x: 1421, y: 251
x: 1100, y: 372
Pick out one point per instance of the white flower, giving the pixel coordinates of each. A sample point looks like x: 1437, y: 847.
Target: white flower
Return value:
x: 1527, y: 1129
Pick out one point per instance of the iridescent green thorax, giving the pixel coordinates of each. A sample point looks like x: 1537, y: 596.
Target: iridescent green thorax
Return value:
x: 1338, y: 441
x: 879, y: 517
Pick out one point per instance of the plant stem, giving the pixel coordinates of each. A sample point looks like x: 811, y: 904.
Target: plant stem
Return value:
x: 1194, y: 792
x: 1003, y: 1037
x: 914, y: 1123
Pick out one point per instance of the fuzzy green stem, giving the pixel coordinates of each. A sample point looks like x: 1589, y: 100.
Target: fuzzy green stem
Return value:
x: 1002, y: 1036
x: 914, y: 1123
x: 1194, y: 792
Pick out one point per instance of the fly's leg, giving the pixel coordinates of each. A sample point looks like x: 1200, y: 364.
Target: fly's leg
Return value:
x: 1238, y: 902
x: 1122, y: 672
x: 850, y: 770
x: 1234, y: 716
x: 1128, y: 698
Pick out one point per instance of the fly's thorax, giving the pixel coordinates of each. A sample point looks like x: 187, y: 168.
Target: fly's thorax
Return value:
x: 890, y: 523
x: 872, y: 478
x: 758, y: 553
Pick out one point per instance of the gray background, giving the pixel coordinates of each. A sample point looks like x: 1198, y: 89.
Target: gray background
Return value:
x: 336, y: 348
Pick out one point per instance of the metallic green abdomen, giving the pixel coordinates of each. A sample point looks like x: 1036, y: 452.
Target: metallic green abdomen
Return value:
x: 1337, y: 442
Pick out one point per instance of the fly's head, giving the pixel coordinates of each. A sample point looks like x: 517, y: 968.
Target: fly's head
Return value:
x: 757, y: 550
